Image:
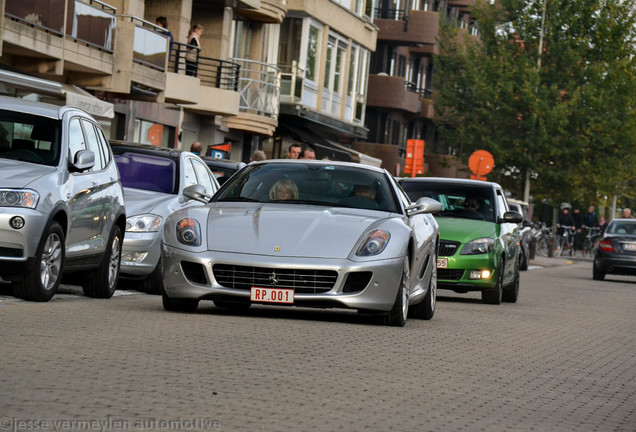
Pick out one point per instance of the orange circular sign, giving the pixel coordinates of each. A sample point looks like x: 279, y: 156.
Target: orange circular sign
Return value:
x: 481, y: 162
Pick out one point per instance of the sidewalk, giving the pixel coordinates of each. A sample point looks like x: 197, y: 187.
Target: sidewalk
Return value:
x: 558, y: 261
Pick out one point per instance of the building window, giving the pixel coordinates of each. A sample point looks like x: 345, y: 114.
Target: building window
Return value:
x: 312, y: 52
x: 241, y: 39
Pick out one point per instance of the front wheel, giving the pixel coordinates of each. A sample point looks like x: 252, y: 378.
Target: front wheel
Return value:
x: 398, y: 314
x: 511, y: 293
x: 426, y: 308
x: 102, y: 282
x: 493, y: 295
x: 153, y: 284
x: 44, y: 277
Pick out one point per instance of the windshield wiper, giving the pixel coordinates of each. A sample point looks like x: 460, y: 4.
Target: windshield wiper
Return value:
x: 237, y: 199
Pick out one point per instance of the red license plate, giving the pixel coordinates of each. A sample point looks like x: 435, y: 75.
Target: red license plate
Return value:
x: 272, y: 295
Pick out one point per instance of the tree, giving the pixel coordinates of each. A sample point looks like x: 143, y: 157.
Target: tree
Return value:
x: 566, y: 114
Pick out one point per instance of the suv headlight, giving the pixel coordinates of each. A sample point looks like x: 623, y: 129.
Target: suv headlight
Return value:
x: 19, y: 198
x: 479, y: 246
x: 375, y: 243
x: 143, y: 223
x: 189, y: 232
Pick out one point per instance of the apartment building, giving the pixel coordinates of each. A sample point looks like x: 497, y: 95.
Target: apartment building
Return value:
x: 324, y: 55
x: 400, y: 103
x: 110, y: 58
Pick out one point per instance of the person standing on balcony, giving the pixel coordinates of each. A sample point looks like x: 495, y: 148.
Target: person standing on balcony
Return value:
x: 192, y: 53
x: 162, y: 22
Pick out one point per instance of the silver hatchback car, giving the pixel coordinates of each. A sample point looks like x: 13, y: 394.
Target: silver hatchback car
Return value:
x: 61, y: 201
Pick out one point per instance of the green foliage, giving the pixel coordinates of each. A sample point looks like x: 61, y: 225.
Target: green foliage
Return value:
x: 567, y: 116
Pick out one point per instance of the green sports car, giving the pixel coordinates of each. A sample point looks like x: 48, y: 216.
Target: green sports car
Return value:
x: 479, y: 237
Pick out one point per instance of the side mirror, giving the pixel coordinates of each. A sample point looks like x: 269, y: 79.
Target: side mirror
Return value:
x: 424, y: 205
x: 511, y: 217
x: 196, y: 192
x: 84, y: 160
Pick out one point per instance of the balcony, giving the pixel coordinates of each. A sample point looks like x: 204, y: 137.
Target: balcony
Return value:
x: 410, y: 28
x: 427, y: 107
x: 259, y: 89
x: 461, y: 3
x: 35, y: 39
x: 214, y: 81
x: 266, y: 11
x: 392, y: 92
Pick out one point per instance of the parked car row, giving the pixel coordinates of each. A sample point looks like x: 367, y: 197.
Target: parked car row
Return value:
x: 281, y: 232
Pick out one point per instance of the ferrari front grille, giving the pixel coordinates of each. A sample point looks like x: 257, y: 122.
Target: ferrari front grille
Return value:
x: 301, y: 280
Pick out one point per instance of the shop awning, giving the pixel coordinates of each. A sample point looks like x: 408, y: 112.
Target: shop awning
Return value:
x: 73, y: 95
x: 82, y: 99
x: 323, y: 148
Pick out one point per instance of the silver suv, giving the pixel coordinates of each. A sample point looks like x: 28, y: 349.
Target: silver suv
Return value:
x: 61, y: 201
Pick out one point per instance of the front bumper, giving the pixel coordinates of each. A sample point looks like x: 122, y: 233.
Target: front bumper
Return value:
x: 17, y: 245
x: 456, y: 276
x: 140, y: 254
x: 379, y: 294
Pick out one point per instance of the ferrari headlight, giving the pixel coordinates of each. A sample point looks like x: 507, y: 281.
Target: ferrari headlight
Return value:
x: 479, y: 246
x: 189, y: 232
x: 143, y: 223
x: 375, y: 243
x: 18, y: 198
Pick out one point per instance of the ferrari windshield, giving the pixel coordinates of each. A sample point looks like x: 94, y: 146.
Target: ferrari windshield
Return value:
x: 311, y: 183
x: 29, y: 138
x: 458, y: 200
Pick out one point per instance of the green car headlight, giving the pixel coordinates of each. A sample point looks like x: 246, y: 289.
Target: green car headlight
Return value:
x: 479, y: 246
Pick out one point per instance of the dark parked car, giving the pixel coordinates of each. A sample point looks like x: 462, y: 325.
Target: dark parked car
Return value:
x: 616, y: 252
x: 479, y: 239
x: 154, y: 179
x: 61, y: 201
x: 222, y: 169
x: 525, y: 231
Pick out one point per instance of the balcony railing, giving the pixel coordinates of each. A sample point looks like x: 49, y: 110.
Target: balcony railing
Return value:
x: 212, y: 72
x: 392, y: 14
x: 259, y: 85
x: 91, y: 22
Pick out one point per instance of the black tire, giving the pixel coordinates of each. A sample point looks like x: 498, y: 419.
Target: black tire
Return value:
x: 493, y: 295
x: 511, y: 293
x: 153, y: 284
x: 426, y: 308
x: 399, y: 313
x: 179, y: 305
x: 44, y: 277
x: 102, y: 282
x: 597, y: 274
x: 523, y: 262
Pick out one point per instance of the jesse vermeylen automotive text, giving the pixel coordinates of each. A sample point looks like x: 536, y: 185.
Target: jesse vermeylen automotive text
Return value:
x: 107, y: 424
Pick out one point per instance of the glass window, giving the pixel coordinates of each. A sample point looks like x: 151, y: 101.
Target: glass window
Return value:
x: 93, y: 144
x: 312, y: 53
x: 203, y: 176
x: 189, y: 176
x: 75, y: 138
x: 147, y: 172
x: 502, y: 204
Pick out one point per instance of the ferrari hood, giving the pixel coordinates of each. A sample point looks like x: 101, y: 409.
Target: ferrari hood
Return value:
x: 464, y: 230
x: 286, y: 230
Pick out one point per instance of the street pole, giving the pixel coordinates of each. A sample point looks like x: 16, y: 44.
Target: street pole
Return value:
x: 526, y: 188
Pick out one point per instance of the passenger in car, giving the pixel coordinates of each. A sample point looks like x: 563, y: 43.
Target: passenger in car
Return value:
x: 283, y: 190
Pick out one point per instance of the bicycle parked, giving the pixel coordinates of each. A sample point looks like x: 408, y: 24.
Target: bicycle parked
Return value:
x: 543, y: 238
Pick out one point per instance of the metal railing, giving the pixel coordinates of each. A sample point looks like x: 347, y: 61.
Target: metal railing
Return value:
x: 392, y: 14
x: 212, y: 72
x: 259, y: 86
x: 90, y: 22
